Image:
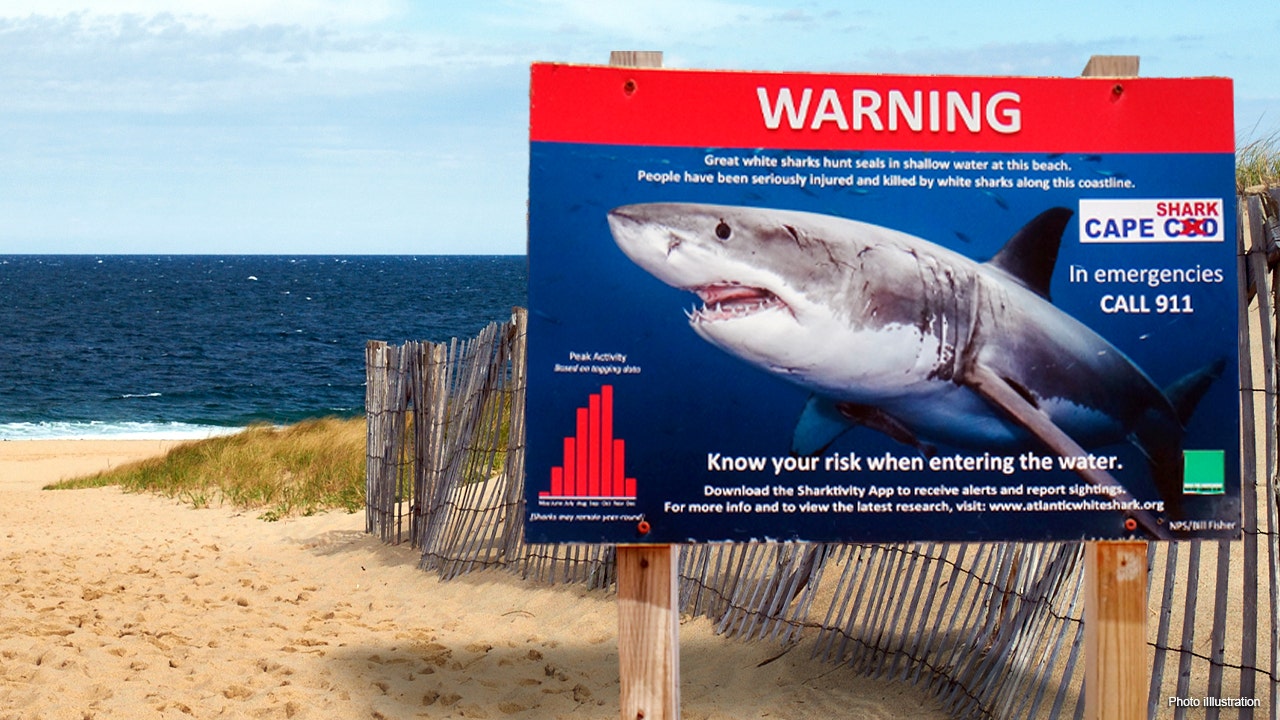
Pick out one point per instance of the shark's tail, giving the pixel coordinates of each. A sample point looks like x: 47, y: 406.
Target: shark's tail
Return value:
x: 1186, y: 392
x: 1159, y: 436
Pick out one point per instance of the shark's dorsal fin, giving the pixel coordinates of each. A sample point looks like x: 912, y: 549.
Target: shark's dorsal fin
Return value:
x: 1031, y: 253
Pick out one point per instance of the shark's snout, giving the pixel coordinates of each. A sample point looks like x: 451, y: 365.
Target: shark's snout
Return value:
x: 633, y: 233
x: 629, y: 222
x: 620, y: 217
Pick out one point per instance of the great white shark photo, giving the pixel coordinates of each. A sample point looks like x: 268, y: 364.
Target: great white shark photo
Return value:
x: 906, y: 337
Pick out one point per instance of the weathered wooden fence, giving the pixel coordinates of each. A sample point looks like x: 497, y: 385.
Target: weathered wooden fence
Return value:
x: 445, y: 455
x: 994, y: 629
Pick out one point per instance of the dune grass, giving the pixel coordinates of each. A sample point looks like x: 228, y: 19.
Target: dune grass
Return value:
x: 1258, y: 164
x: 302, y: 469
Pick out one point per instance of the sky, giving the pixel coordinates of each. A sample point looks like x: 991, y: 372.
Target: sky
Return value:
x: 397, y: 127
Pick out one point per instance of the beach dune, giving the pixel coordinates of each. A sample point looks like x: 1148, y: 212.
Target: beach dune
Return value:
x: 116, y: 605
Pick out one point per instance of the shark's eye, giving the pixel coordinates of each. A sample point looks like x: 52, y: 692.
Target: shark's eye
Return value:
x: 723, y: 231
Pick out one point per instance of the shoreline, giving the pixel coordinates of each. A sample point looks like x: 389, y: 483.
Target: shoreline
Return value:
x: 124, y: 432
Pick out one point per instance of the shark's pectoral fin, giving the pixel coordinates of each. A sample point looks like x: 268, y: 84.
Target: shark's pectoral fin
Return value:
x: 1009, y: 398
x: 824, y: 420
x: 819, y: 425
x: 877, y: 419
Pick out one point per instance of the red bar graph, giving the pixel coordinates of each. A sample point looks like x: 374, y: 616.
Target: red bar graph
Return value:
x: 594, y: 464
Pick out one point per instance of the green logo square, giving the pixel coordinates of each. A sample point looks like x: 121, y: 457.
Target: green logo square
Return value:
x: 1204, y: 472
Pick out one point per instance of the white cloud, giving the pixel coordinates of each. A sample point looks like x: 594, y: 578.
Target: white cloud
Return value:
x: 171, y: 64
x: 1028, y: 58
x: 660, y: 22
x: 221, y: 12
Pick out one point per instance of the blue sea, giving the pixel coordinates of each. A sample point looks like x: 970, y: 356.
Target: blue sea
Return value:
x: 129, y: 346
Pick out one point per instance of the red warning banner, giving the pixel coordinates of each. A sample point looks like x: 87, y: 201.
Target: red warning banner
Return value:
x: 682, y: 108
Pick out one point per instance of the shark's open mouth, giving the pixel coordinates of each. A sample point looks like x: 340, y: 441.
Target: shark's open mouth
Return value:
x: 731, y: 301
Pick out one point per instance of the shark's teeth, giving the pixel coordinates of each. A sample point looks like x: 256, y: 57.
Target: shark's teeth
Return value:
x: 731, y: 301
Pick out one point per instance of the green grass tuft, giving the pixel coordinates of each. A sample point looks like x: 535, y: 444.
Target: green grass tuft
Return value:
x: 303, y: 469
x: 1258, y: 164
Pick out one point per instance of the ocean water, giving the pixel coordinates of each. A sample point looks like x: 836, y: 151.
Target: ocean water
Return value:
x: 189, y: 346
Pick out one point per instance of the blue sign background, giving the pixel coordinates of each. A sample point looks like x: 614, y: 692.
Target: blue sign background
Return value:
x: 691, y: 399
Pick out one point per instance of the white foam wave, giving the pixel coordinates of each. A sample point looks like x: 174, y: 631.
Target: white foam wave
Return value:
x: 111, y: 431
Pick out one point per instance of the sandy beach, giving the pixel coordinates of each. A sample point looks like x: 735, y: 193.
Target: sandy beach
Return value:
x: 116, y: 605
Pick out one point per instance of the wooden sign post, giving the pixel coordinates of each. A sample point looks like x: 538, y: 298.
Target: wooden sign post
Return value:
x: 648, y: 632
x: 1115, y: 578
x: 1115, y: 630
x: 648, y: 582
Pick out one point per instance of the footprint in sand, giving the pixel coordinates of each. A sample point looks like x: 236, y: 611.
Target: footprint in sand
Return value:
x: 435, y: 653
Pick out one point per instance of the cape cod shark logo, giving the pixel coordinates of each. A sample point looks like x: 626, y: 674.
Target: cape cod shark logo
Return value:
x: 909, y: 338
